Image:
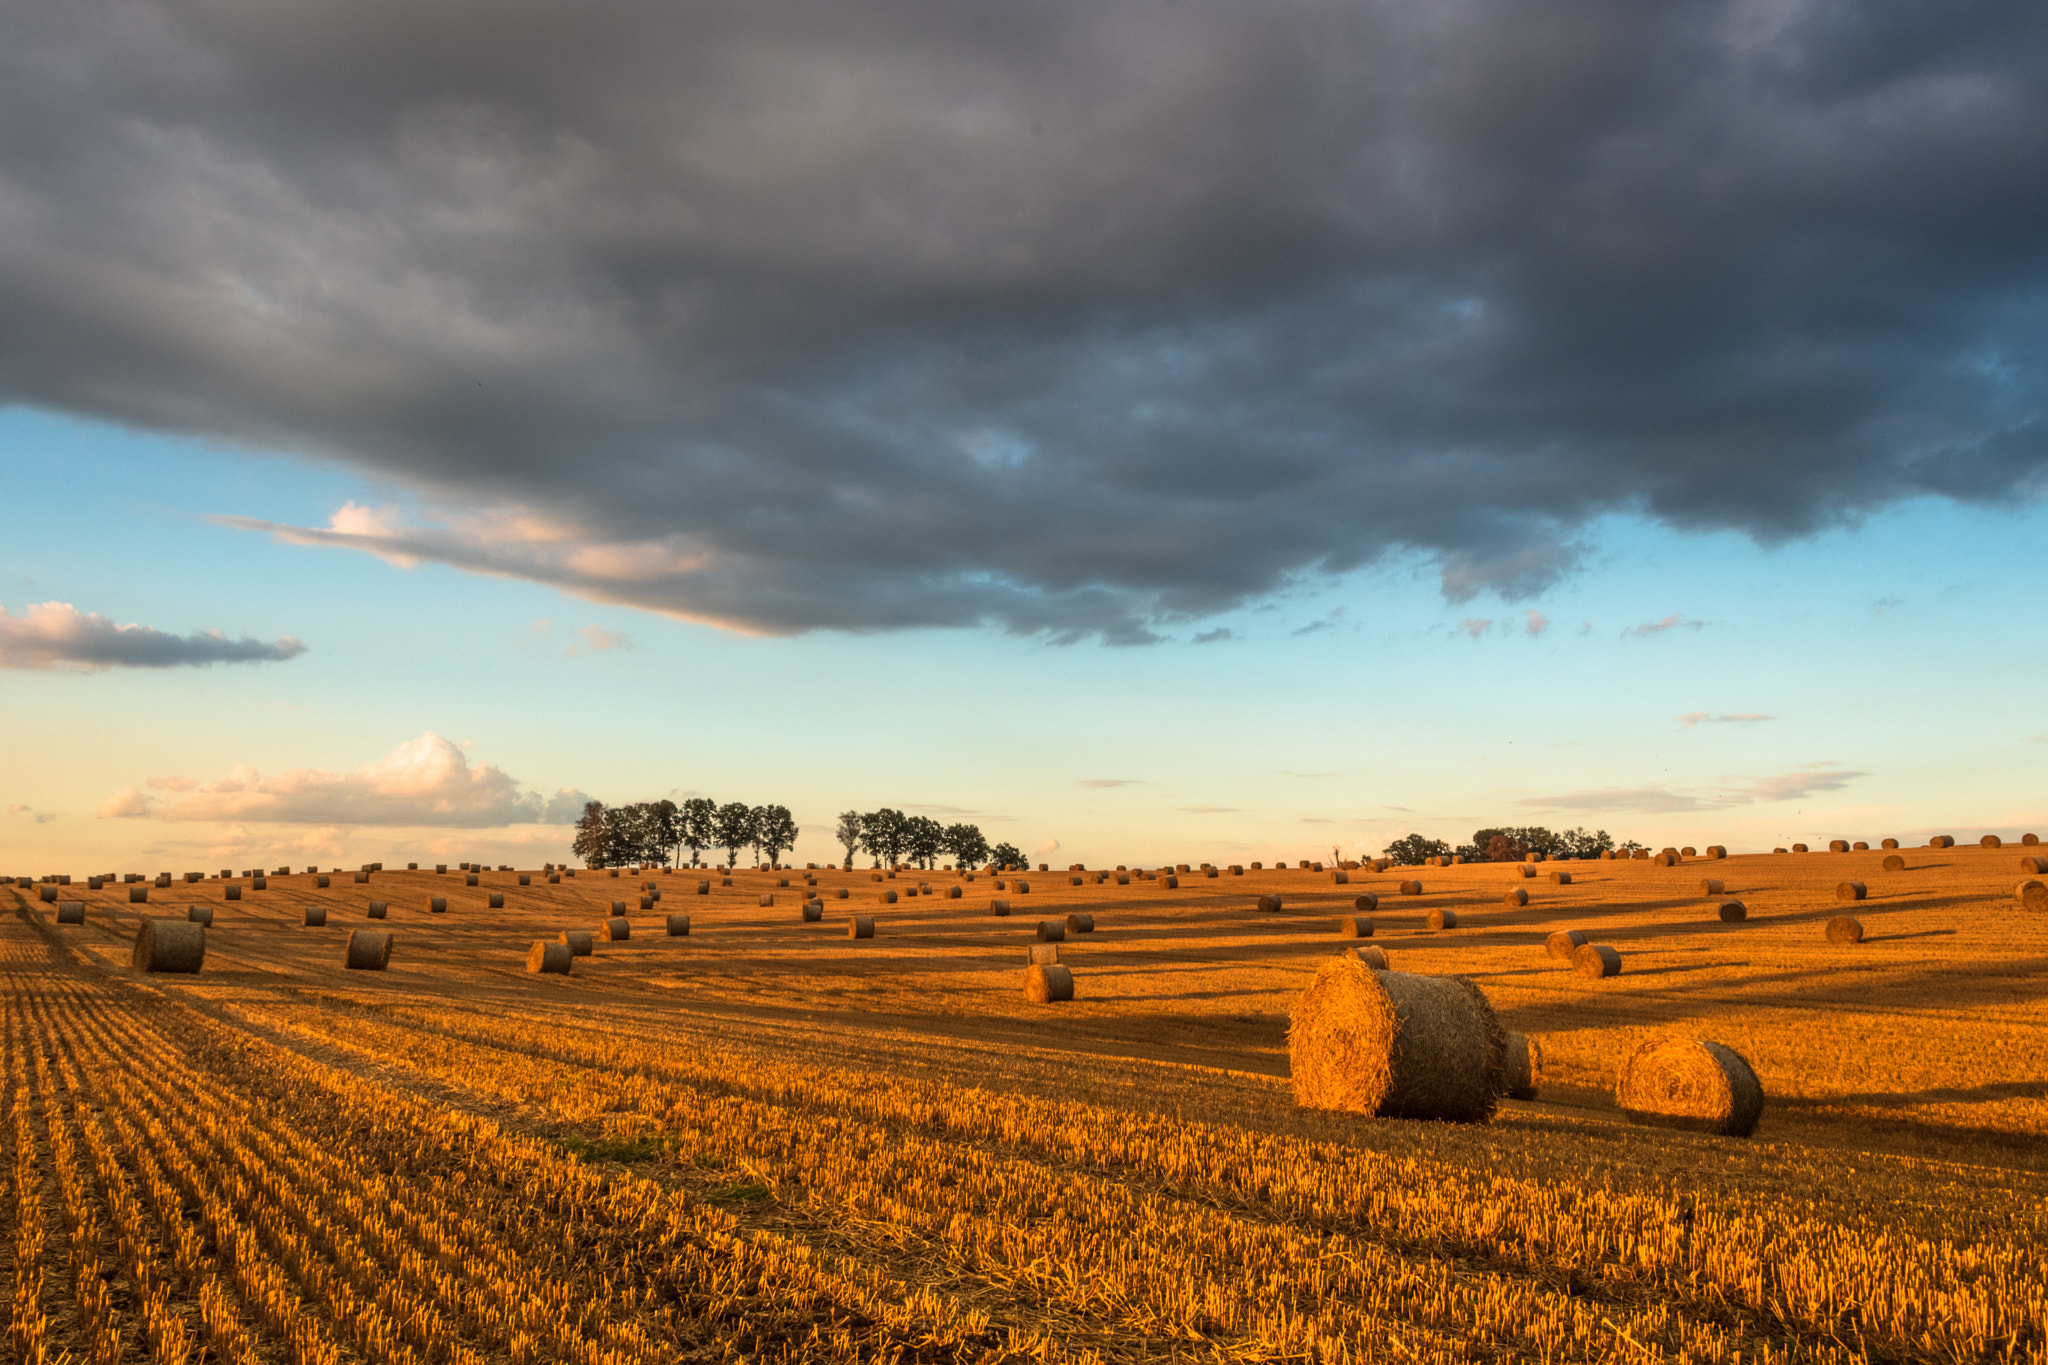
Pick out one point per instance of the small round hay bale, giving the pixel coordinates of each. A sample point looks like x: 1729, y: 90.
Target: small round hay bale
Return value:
x: 47, y: 894
x: 1564, y: 943
x: 1339, y: 878
x: 2037, y: 866
x: 169, y: 945
x: 1668, y: 852
x: 552, y: 958
x: 1596, y: 960
x: 1688, y: 852
x: 526, y: 879
x: 1799, y: 848
x: 617, y: 929
x: 888, y: 898
x: 841, y: 894
x: 814, y: 911
x: 1942, y: 841
x: 1712, y: 886
x: 1842, y: 929
x: 1526, y: 869
x: 1354, y: 926
x: 1522, y: 1067
x: 1668, y: 858
x: 861, y: 926
x: 1269, y: 904
x: 259, y: 883
x: 1690, y: 1083
x: 2030, y: 840
x: 554, y: 879
x: 765, y: 901
x: 1073, y: 881
x: 201, y: 915
x: 1046, y: 983
x: 70, y: 912
x: 1732, y: 912
x: 1859, y: 847
x: 998, y: 908
x: 782, y: 881
x: 678, y: 926
x: 369, y: 950
x: 1371, y: 956
x: 1366, y: 903
x: 703, y: 888
x: 646, y: 902
x: 233, y: 893
x: 1717, y: 851
x: 1517, y: 897
x: 2031, y: 894
x: 1022, y: 888
x: 1851, y: 891
x: 321, y: 881
x: 437, y: 905
x: 876, y: 876
x: 1838, y: 845
x: 1170, y: 883
x: 1443, y: 919
x: 1395, y: 1045
x: 1051, y: 931
x: 1888, y: 843
x: 497, y: 901
x: 1079, y: 923
x: 470, y: 880
x: 1411, y: 888
x: 314, y: 917
x: 952, y: 893
x: 579, y: 942
x: 378, y: 909
x: 1894, y: 863
x: 1123, y: 879
x: 138, y: 895
x: 1991, y: 841
x: 1561, y: 878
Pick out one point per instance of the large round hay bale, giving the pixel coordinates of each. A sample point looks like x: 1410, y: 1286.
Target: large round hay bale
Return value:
x: 1354, y: 926
x: 1991, y: 841
x: 1365, y: 904
x: 1371, y: 955
x: 1712, y: 886
x: 2030, y: 840
x: 579, y: 942
x: 678, y: 926
x: 646, y: 902
x: 437, y: 905
x: 1443, y: 918
x: 1526, y: 869
x: 369, y: 950
x: 814, y: 912
x: 201, y: 915
x: 1894, y: 863
x: 169, y: 945
x: 1732, y: 912
x: 998, y: 908
x: 2037, y: 866
x: 314, y: 917
x: 1516, y: 897
x: 703, y: 888
x: 1561, y: 878
x: 1046, y: 983
x: 1851, y: 891
x: 1170, y: 883
x: 70, y: 912
x: 1596, y: 960
x: 470, y: 880
x: 1522, y: 1067
x: 843, y: 893
x: 378, y: 909
x: 1842, y: 929
x: 1717, y: 851
x: 1838, y: 845
x: 1410, y: 888
x: 1395, y: 1045
x: 861, y: 926
x: 1859, y: 847
x: 1564, y: 943
x: 1269, y: 904
x: 138, y: 895
x: 1051, y: 931
x: 1079, y: 923
x: 617, y: 929
x: 1690, y: 1083
x: 1942, y: 841
x: 233, y: 893
x: 552, y: 958
x: 2031, y: 894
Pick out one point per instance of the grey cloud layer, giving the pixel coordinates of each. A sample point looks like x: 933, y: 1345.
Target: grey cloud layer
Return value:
x: 1070, y: 317
x: 58, y: 635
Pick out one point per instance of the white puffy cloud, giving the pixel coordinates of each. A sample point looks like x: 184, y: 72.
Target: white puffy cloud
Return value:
x: 58, y: 635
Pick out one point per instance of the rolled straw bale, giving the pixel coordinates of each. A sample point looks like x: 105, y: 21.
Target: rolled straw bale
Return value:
x: 1850, y: 891
x: 1561, y: 878
x: 1712, y: 886
x: 321, y: 882
x: 470, y: 880
x: 1888, y: 843
x: 1443, y: 919
x: 1672, y: 851
x: 191, y: 877
x: 94, y: 883
x: 437, y: 905
x: 70, y: 912
x: 1339, y: 878
x: 727, y: 880
x: 497, y: 901
x: 1123, y: 879
x: 2034, y: 865
x: 703, y: 888
x: 1942, y: 841
x: 1269, y: 904
x: 1047, y: 983
x: 579, y: 942
x: 526, y: 879
x: 1183, y: 867
x: 1596, y: 960
x: 782, y: 881
x: 1073, y: 881
x: 1690, y: 1083
x: 1607, y: 855
x: 552, y: 958
x: 554, y: 879
x: 1668, y: 858
x: 1894, y: 863
x: 1777, y: 850
x: 1170, y: 883
x: 646, y: 902
x: 888, y: 898
x: 999, y: 908
x: 861, y: 926
x: 233, y: 893
x: 1799, y: 848
x: 1991, y: 841
x: 952, y: 893
x: 1859, y: 847
x: 1411, y: 888
x: 1516, y: 897
x: 2030, y: 840
x: 1237, y: 869
x: 169, y: 945
x: 2031, y: 894
x: 678, y: 926
x: 1371, y: 956
x: 199, y: 914
x: 617, y: 929
x: 1355, y: 926
x: 1732, y: 912
x: 1522, y: 1065
x: 368, y: 951
x: 1526, y: 869
x: 1022, y: 888
x: 314, y: 917
x: 1395, y: 1045
x: 1838, y: 845
x: 1716, y: 851
x: 259, y: 883
x: 1366, y: 903
x: 1051, y: 931
x: 363, y: 879
x: 1564, y: 943
x: 1842, y: 929
x: 842, y: 894
x: 1688, y: 852
x: 47, y: 894
x: 1079, y: 923
x: 379, y: 909
x: 1041, y: 952
x: 814, y: 911
x: 138, y: 895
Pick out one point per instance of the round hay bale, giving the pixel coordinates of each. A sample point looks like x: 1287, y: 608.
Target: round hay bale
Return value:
x: 46, y: 894
x: 1443, y: 919
x: 1851, y: 891
x: 1688, y: 852
x: 1522, y: 1067
x: 841, y: 894
x: 1859, y: 847
x: 1269, y: 904
x: 1079, y: 923
x: 1717, y: 851
x: 1842, y: 929
x: 1073, y: 881
x: 314, y: 917
x: 1339, y: 878
x: 233, y: 893
x: 470, y: 880
x: 1838, y: 845
x: 1366, y: 903
x: 579, y: 942
x: 1022, y: 888
x: 1888, y: 843
x: 999, y: 908
x: 703, y: 888
x: 1799, y: 848
x: 552, y: 958
x: 952, y: 893
x: 1564, y: 943
x: 1668, y: 852
x: 169, y: 945
x: 1894, y: 863
x: 1942, y: 841
x: 1354, y: 926
x: 378, y: 909
x: 1051, y: 931
x: 1123, y: 879
x: 1991, y: 841
x: 1046, y: 983
x: 201, y: 915
x: 2037, y: 866
x: 2032, y: 895
x: 437, y: 905
x: 617, y: 929
x: 1596, y: 960
x: 369, y: 950
x: 1170, y: 883
x: 1526, y: 869
x: 496, y: 901
x: 1732, y: 912
x: 1668, y: 858
x: 2030, y: 840
x: 782, y: 881
x: 1561, y: 878
x: 861, y: 926
x: 1517, y: 897
x: 678, y: 926
x: 766, y: 901
x: 1411, y: 888
x: 321, y: 881
x: 1712, y: 886
x: 1395, y: 1045
x: 814, y: 911
x: 646, y: 902
x: 70, y: 912
x: 1371, y: 956
x: 138, y: 895
x: 888, y: 898
x: 1690, y: 1083
x: 526, y: 879
x: 554, y: 879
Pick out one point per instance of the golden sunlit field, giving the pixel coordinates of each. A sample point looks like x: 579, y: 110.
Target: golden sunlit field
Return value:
x: 769, y: 1141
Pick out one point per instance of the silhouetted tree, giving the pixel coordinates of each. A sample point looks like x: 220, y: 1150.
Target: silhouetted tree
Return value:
x: 733, y: 829
x: 775, y: 830
x: 966, y: 844
x: 848, y: 833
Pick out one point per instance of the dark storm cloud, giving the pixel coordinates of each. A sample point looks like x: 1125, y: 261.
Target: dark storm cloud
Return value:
x: 1068, y: 317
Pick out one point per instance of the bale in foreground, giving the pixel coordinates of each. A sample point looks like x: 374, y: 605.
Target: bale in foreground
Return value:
x: 1564, y: 943
x: 1395, y: 1045
x: 552, y: 958
x: 1690, y: 1083
x: 1842, y: 929
x: 369, y: 950
x: 1045, y: 983
x: 2031, y: 894
x: 169, y: 945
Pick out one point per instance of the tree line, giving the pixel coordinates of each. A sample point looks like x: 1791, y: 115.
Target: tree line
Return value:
x: 658, y: 832
x: 890, y: 837
x: 1508, y: 844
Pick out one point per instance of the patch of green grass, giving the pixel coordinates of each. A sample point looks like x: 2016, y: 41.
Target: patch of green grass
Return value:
x: 646, y: 1147
x: 749, y: 1191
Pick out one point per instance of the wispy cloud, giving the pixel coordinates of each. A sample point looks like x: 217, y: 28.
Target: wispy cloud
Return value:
x: 1312, y: 627
x: 1209, y: 810
x: 58, y: 635
x: 1110, y: 782
x: 1692, y: 719
x: 1675, y: 621
x: 1537, y: 623
x: 1813, y: 778
x: 1808, y: 780
x: 1472, y: 627
x: 1210, y: 637
x: 597, y: 640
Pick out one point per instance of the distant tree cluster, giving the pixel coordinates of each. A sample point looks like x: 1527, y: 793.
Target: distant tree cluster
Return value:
x: 891, y: 837
x: 1504, y: 845
x: 658, y: 832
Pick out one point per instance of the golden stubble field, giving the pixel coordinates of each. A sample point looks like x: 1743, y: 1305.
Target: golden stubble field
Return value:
x: 767, y: 1140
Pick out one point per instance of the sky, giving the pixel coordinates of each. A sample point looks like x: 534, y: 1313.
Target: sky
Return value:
x: 1165, y: 431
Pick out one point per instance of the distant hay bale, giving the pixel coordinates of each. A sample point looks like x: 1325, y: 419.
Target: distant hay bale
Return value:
x: 1355, y: 926
x: 1732, y: 912
x: 678, y: 926
x: 841, y: 894
x: 1269, y: 905
x: 1564, y: 943
x: 1690, y: 1083
x: 437, y: 905
x: 138, y: 895
x: 1668, y: 858
x: 1051, y: 931
x: 1073, y: 881
x: 1888, y: 843
x: 1022, y: 888
x: 1712, y: 886
x: 470, y: 880
x: 647, y: 902
x: 876, y: 876
x: 1859, y: 847
x: 321, y: 882
x: 1411, y: 888
x: 1942, y: 841
x: 46, y: 894
x: 169, y: 945
x: 1894, y: 863
x: 1838, y: 845
x: 379, y: 909
x: 1395, y: 1045
x: 314, y: 917
x: 999, y: 908
x: 368, y: 951
x: 579, y: 942
x: 551, y: 958
x: 888, y: 898
x: 1522, y: 1067
x: 703, y: 888
x: 1561, y: 878
x: 526, y: 879
x: 1688, y: 852
x: 617, y: 929
x: 1799, y: 848
x: 201, y: 915
x: 1596, y: 960
x: 1366, y: 903
x: 1237, y: 869
x: 70, y: 912
x: 497, y: 901
x: 1170, y: 883
x: 2037, y: 866
x: 1842, y: 929
x: 1048, y: 983
x: 2031, y: 894
x: 1123, y: 879
x: 861, y: 926
x: 765, y: 901
x: 1851, y: 891
x: 813, y: 912
x: 1526, y: 869
x: 1340, y: 877
x: 2030, y: 840
x: 1372, y: 957
x: 363, y: 879
x: 554, y: 879
x: 1670, y: 851
x: 1443, y: 919
x: 1716, y: 851
x: 1517, y: 897
x: 1079, y: 923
